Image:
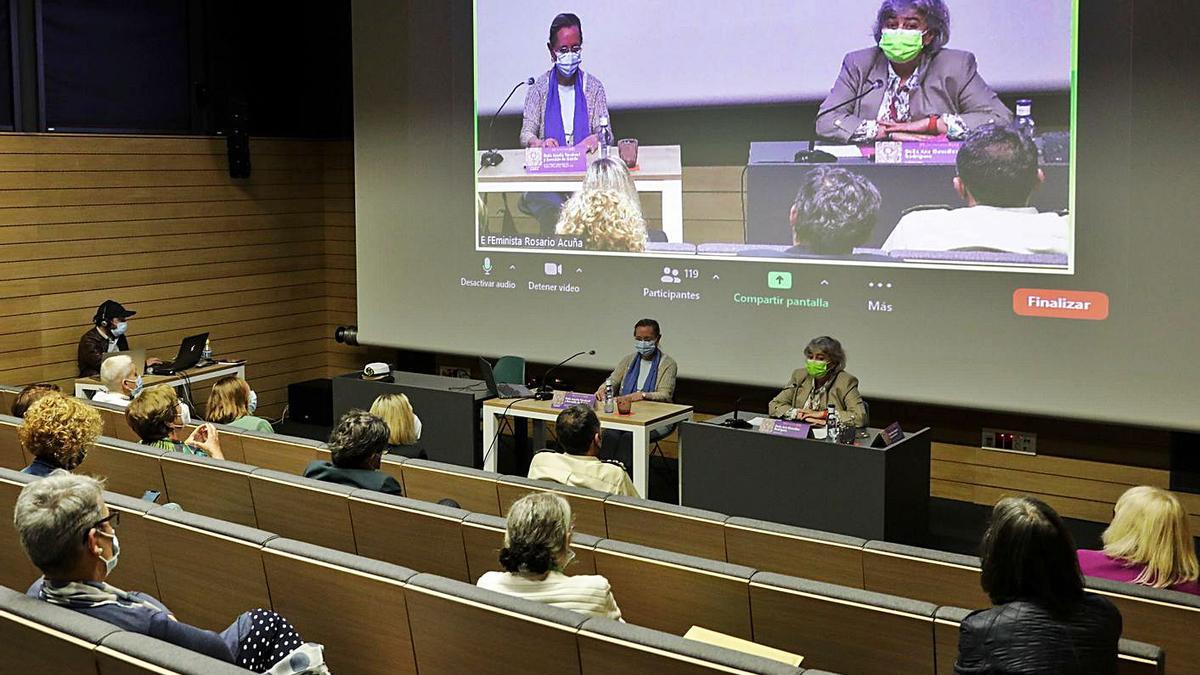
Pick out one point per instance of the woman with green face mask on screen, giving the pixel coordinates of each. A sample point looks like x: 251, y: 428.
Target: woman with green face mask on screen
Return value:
x: 909, y: 86
x: 823, y: 381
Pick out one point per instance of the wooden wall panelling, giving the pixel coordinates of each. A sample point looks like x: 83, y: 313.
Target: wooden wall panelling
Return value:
x: 266, y: 265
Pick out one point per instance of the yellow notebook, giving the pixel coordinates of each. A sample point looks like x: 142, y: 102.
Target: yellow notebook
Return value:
x: 712, y: 637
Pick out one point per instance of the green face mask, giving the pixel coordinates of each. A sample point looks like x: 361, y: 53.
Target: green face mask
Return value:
x: 816, y: 368
x: 901, y: 45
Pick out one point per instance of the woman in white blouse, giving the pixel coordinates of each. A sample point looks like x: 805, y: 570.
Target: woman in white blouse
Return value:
x: 537, y: 548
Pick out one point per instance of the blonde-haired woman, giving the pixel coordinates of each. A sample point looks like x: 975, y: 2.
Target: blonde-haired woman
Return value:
x: 606, y: 220
x: 404, y: 427
x: 608, y: 173
x: 1147, y: 543
x: 233, y: 402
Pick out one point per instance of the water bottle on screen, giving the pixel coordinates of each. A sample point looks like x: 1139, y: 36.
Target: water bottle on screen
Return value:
x: 609, y: 405
x: 605, y: 136
x: 831, y: 424
x: 1023, y: 122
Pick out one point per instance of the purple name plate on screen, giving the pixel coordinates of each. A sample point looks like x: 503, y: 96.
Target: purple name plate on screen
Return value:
x: 784, y: 428
x: 922, y: 153
x: 565, y: 399
x: 556, y: 160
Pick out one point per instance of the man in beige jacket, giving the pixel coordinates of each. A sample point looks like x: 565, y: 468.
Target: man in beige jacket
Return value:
x: 578, y: 431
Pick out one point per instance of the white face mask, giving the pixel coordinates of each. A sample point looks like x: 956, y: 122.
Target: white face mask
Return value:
x: 253, y: 404
x: 185, y: 413
x: 110, y: 564
x: 417, y: 426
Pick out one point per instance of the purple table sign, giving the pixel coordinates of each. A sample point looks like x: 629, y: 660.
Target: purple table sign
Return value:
x: 921, y: 153
x: 784, y: 428
x: 556, y: 160
x: 566, y: 399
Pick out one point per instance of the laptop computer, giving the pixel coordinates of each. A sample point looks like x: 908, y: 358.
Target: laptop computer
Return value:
x: 189, y: 355
x: 504, y: 389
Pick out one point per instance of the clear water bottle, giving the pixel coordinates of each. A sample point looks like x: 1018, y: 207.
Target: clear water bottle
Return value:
x: 1023, y: 122
x: 605, y: 136
x: 610, y: 406
x: 832, y: 426
x: 206, y: 354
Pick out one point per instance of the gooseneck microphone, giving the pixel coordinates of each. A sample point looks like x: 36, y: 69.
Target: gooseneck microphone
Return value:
x: 813, y: 155
x: 544, y: 392
x: 493, y: 157
x: 736, y: 422
x: 875, y: 84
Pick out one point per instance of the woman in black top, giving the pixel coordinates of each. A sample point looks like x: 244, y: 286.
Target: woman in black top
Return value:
x: 1042, y: 621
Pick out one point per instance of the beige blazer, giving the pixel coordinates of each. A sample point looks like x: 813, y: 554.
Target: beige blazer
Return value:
x: 842, y: 393
x: 951, y: 85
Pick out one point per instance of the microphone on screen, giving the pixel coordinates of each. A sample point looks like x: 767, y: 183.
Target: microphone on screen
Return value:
x: 812, y: 155
x: 493, y: 157
x: 874, y: 84
x: 544, y: 392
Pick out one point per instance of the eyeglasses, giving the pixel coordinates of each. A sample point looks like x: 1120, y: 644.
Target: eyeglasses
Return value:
x: 113, y: 520
x: 570, y: 50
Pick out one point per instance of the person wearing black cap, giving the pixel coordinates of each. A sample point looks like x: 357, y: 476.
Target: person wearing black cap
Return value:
x: 108, y: 335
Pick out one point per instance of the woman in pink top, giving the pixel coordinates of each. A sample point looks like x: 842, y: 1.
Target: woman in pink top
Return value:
x: 1147, y: 543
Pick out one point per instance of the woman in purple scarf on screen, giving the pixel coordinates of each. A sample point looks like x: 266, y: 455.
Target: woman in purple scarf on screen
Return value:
x: 563, y: 107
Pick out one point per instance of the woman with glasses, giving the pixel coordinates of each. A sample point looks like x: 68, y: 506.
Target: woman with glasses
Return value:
x: 564, y: 107
x: 536, y: 553
x: 157, y: 417
x: 909, y: 86
x: 71, y: 536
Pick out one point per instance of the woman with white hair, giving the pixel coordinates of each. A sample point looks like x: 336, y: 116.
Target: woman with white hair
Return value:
x: 537, y: 550
x: 71, y: 536
x: 120, y: 377
x: 909, y: 86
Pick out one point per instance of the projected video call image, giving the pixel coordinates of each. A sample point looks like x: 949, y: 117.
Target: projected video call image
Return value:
x: 927, y: 133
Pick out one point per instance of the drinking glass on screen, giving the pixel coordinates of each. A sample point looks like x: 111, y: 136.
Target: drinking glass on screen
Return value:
x: 627, y: 149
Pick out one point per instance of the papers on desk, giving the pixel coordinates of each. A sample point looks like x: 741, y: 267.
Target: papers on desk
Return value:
x: 842, y: 151
x: 757, y: 421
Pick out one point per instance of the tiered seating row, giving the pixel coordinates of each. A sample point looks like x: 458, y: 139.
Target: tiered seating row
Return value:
x: 943, y: 579
x: 372, y: 616
x: 838, y: 628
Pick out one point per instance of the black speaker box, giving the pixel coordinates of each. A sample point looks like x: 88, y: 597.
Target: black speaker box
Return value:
x: 311, y: 402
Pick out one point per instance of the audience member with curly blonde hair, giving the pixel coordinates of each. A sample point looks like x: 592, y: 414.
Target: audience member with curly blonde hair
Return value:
x: 606, y: 220
x: 57, y: 432
x: 608, y: 173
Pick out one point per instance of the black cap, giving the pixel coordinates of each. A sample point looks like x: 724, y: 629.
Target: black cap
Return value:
x: 111, y: 309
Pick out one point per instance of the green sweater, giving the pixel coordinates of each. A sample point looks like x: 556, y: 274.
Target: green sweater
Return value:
x: 252, y: 423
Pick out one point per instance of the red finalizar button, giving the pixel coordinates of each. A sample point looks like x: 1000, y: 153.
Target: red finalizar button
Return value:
x: 1089, y: 305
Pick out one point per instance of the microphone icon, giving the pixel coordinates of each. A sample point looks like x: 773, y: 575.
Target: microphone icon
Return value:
x: 487, y: 266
